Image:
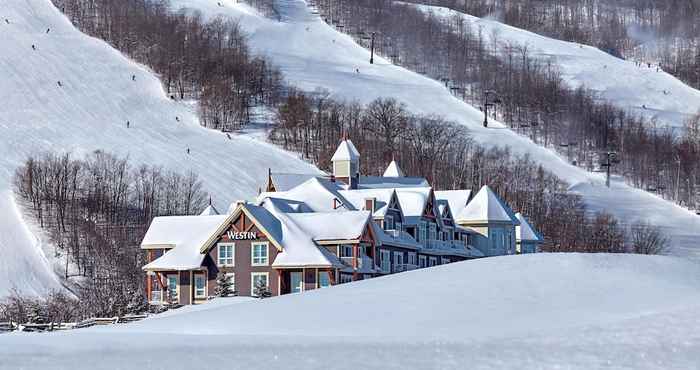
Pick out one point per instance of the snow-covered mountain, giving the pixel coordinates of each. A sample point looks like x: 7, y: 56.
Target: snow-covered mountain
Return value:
x: 89, y: 111
x: 530, y: 311
x: 313, y: 55
x: 637, y: 88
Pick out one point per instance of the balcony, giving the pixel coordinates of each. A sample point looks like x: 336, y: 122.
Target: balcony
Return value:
x: 403, y: 267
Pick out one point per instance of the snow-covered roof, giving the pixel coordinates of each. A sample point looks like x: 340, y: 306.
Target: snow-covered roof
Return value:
x: 393, y: 170
x: 378, y: 182
x: 525, y: 231
x: 173, y: 231
x: 298, y: 246
x: 320, y: 226
x: 382, y: 199
x: 413, y: 201
x: 486, y: 207
x: 287, y: 181
x: 185, y: 235
x: 457, y: 199
x: 209, y: 211
x: 346, y: 152
x: 318, y: 194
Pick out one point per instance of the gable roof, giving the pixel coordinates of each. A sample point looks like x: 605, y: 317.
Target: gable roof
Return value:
x: 184, y: 234
x: 346, y: 152
x: 209, y: 211
x: 457, y: 199
x: 382, y: 198
x: 393, y: 170
x: 487, y: 207
x: 413, y: 202
x: 525, y: 231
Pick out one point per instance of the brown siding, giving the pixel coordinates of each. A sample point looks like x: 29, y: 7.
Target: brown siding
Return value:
x: 242, y: 260
x: 185, y: 288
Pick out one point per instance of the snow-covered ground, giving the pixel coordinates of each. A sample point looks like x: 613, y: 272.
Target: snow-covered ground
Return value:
x: 621, y: 82
x: 313, y: 55
x: 545, y: 311
x: 89, y: 112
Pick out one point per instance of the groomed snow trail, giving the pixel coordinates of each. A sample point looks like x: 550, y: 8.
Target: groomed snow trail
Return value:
x: 544, y: 311
x: 88, y: 112
x: 313, y: 55
x: 631, y: 87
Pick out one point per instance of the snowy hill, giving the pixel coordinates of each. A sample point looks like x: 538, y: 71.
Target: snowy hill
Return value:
x: 313, y: 55
x: 89, y: 112
x: 533, y: 311
x: 621, y: 82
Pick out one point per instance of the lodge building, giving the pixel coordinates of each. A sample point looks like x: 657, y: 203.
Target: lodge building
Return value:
x: 308, y: 232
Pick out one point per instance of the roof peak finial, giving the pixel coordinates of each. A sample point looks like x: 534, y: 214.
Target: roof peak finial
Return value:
x: 345, y: 135
x: 210, y: 200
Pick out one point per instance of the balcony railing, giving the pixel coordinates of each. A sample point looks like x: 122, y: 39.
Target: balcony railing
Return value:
x: 403, y: 267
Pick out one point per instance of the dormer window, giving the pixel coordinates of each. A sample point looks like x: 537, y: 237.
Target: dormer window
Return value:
x: 389, y: 223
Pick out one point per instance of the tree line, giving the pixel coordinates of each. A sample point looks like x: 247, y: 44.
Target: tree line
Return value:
x: 665, y: 33
x: 531, y: 96
x: 96, y: 211
x: 444, y: 153
x: 208, y: 61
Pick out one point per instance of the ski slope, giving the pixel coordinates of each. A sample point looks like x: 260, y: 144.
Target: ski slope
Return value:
x: 668, y: 101
x: 514, y: 312
x: 313, y: 55
x: 89, y: 112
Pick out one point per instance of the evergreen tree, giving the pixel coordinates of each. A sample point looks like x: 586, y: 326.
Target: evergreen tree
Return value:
x: 224, y: 286
x: 137, y: 303
x: 262, y: 291
x: 37, y: 313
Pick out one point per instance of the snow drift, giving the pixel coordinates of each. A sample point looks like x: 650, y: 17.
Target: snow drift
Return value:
x: 534, y: 311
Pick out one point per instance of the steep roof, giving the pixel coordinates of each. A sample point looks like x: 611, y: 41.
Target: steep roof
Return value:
x: 382, y: 199
x: 457, y: 199
x: 393, y: 170
x: 413, y: 202
x: 209, y: 211
x: 346, y: 152
x: 525, y: 231
x: 487, y: 207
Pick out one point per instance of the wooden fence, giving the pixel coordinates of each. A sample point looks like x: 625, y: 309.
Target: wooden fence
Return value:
x: 95, y: 321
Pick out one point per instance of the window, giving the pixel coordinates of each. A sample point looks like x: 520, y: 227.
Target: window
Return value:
x: 345, y: 278
x: 448, y: 233
x: 389, y: 222
x: 412, y: 258
x: 172, y: 287
x: 346, y: 251
x: 444, y: 261
x: 226, y: 253
x: 433, y: 232
x: 259, y: 254
x: 422, y: 231
x: 398, y: 259
x: 422, y: 262
x: 258, y: 279
x: 432, y: 261
x: 200, y: 286
x: 384, y: 261
x: 324, y: 279
x: 398, y: 225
